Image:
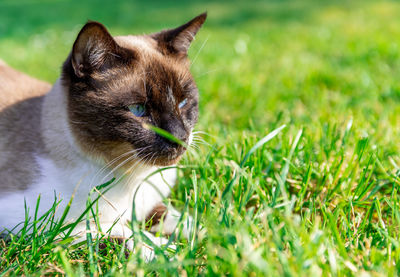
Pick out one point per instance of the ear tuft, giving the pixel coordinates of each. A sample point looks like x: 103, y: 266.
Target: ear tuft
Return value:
x: 91, y: 48
x: 178, y: 40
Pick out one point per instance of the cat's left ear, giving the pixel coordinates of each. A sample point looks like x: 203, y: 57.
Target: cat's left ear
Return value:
x: 177, y: 41
x: 93, y: 49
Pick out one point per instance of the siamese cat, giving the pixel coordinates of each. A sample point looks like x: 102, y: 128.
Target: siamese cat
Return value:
x: 90, y: 127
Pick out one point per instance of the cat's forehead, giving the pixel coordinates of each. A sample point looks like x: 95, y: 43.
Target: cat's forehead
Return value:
x: 148, y: 52
x: 151, y: 65
x: 144, y: 45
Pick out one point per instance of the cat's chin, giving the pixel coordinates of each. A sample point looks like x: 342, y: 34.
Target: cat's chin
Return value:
x: 169, y: 158
x: 163, y: 155
x: 167, y: 161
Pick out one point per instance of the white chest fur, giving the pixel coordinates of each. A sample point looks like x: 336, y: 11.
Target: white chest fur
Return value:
x: 78, y: 181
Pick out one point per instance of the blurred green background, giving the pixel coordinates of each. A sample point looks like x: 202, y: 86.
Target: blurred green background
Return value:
x: 256, y: 62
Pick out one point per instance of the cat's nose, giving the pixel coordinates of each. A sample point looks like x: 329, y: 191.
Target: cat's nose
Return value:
x: 177, y: 129
x: 180, y: 134
x: 177, y: 133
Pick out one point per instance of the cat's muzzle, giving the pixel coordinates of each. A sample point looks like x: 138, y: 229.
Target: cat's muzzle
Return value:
x: 169, y: 153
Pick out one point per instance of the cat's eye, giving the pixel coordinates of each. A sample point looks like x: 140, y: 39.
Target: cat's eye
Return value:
x: 182, y: 104
x: 138, y: 110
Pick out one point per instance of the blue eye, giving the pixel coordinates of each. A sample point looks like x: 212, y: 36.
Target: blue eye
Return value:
x: 182, y: 104
x: 138, y: 110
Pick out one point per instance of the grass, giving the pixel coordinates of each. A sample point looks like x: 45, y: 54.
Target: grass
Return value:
x: 320, y: 198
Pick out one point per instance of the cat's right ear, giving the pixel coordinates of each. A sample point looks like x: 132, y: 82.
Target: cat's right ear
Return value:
x: 93, y: 48
x: 178, y: 40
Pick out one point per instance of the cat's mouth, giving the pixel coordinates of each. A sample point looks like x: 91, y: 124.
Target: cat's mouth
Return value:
x: 161, y: 155
x: 169, y: 155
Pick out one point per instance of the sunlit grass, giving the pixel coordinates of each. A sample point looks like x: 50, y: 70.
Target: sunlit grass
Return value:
x: 320, y: 198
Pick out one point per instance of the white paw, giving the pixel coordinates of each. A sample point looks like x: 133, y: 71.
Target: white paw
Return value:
x: 146, y: 251
x: 188, y: 228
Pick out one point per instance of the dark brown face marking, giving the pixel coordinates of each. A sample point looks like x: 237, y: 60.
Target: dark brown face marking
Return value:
x: 105, y: 80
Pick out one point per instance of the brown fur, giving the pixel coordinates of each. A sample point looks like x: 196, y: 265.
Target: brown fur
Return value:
x: 105, y: 75
x: 155, y: 216
x: 108, y: 244
x: 20, y: 105
x: 16, y: 86
x: 176, y: 42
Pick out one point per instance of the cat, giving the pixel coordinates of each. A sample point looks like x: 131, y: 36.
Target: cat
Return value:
x: 92, y: 126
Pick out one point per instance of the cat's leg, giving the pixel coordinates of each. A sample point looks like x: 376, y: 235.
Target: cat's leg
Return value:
x: 166, y: 219
x: 117, y: 230
x: 149, y: 204
x: 125, y: 233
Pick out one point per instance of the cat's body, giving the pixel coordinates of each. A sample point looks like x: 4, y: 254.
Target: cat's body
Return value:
x: 53, y: 166
x: 88, y: 128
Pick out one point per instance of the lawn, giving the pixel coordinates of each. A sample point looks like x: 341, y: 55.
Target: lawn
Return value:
x: 319, y: 198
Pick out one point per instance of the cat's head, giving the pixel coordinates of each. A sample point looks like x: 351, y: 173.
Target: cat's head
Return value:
x: 117, y: 85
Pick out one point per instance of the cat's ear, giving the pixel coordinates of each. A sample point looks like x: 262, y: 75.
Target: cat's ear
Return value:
x: 93, y: 48
x: 177, y: 41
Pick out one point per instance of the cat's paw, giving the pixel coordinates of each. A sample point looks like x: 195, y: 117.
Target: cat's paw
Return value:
x: 146, y: 251
x: 189, y: 229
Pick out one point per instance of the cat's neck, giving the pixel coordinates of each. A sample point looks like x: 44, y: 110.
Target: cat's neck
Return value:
x: 57, y: 135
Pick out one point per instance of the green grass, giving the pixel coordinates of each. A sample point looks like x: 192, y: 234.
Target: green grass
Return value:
x: 320, y: 198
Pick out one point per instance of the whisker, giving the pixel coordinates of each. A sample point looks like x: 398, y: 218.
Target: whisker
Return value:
x: 201, y: 142
x: 100, y: 171
x: 195, y: 146
x: 77, y: 122
x: 210, y: 71
x: 124, y: 162
x: 203, y: 133
x: 132, y: 174
x: 198, y: 52
x: 127, y: 172
x: 122, y: 175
